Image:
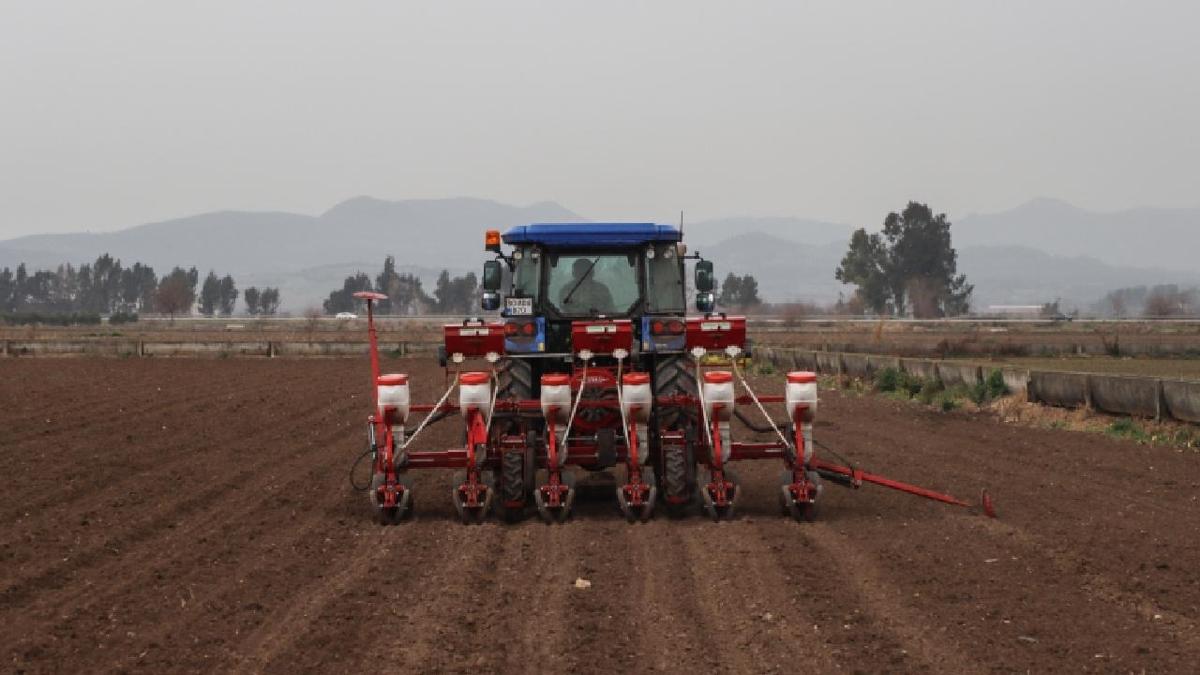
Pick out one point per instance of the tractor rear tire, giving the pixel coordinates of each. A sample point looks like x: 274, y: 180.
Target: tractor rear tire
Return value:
x: 512, y: 487
x: 675, y: 469
x: 514, y: 382
x: 678, y: 481
x: 675, y: 376
x: 515, y: 379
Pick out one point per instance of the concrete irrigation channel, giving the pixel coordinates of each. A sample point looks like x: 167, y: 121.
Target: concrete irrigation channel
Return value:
x: 1137, y: 396
x: 195, y: 514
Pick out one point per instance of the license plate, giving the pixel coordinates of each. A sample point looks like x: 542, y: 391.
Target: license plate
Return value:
x: 519, y: 306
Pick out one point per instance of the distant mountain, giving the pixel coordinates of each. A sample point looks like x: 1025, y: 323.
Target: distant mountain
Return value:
x: 786, y: 271
x: 428, y: 232
x: 233, y: 241
x: 1037, y: 252
x: 799, y: 230
x: 1020, y: 275
x: 1140, y: 237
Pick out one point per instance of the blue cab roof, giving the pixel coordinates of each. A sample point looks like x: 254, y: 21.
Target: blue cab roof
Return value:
x: 591, y: 234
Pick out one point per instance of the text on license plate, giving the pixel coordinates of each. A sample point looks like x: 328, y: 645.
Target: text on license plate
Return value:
x: 519, y: 306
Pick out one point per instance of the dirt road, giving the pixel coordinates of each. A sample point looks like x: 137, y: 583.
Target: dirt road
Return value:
x: 195, y: 515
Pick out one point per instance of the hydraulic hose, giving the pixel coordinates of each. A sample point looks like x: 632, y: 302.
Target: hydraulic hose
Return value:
x: 761, y: 409
x: 759, y: 428
x: 354, y: 466
x: 774, y: 426
x: 425, y: 422
x: 575, y: 407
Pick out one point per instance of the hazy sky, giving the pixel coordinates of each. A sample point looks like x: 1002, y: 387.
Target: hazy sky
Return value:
x: 116, y: 113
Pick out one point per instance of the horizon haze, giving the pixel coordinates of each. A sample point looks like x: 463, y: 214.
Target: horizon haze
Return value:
x: 129, y: 112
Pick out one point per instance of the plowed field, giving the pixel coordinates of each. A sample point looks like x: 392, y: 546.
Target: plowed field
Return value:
x: 191, y: 515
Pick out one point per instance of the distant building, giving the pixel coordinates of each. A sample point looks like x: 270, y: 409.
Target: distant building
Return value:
x: 1017, y: 311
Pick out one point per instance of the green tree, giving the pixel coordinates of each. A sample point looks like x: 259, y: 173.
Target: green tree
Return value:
x: 268, y: 301
x: 863, y: 265
x: 911, y: 266
x: 730, y: 290
x: 739, y: 291
x: 386, y: 282
x: 8, y: 291
x: 750, y: 292
x: 138, y: 284
x: 404, y: 291
x: 228, y: 294
x: 250, y: 297
x: 455, y: 294
x: 210, y: 294
x: 343, y: 300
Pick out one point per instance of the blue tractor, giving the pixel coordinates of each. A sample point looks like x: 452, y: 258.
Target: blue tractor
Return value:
x: 592, y: 365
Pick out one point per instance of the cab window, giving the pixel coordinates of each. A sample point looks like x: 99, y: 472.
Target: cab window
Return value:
x: 664, y: 281
x: 526, y: 271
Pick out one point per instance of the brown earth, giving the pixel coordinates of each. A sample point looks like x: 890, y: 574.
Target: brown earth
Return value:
x: 186, y: 515
x: 234, y: 329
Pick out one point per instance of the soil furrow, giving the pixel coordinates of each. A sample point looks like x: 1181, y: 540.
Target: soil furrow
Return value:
x: 142, y: 531
x: 243, y: 548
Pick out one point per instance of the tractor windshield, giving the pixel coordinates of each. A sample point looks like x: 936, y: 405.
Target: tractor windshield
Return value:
x: 664, y: 281
x: 587, y: 284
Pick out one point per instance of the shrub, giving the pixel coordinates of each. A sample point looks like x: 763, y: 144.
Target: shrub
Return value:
x: 913, y: 385
x: 1127, y: 428
x: 991, y: 387
x: 895, y: 381
x: 947, y: 401
x: 123, y: 317
x: 995, y: 384
x: 930, y: 390
x: 888, y: 380
x: 51, y: 319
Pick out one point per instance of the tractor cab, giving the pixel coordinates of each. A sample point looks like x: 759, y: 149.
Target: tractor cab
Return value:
x: 559, y: 275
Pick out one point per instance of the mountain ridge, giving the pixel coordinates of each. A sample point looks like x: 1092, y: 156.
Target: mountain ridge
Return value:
x: 793, y: 258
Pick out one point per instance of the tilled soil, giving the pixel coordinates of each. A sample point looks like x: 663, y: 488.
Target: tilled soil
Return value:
x: 196, y: 515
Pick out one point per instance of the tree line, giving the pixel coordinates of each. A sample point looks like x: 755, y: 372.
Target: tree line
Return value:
x: 1163, y: 301
x: 406, y: 294
x: 910, y: 268
x: 460, y: 295
x: 107, y: 287
x: 738, y: 291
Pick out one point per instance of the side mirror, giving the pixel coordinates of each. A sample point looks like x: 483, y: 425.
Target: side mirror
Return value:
x: 490, y: 301
x: 705, y: 302
x: 704, y: 276
x: 491, y: 276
